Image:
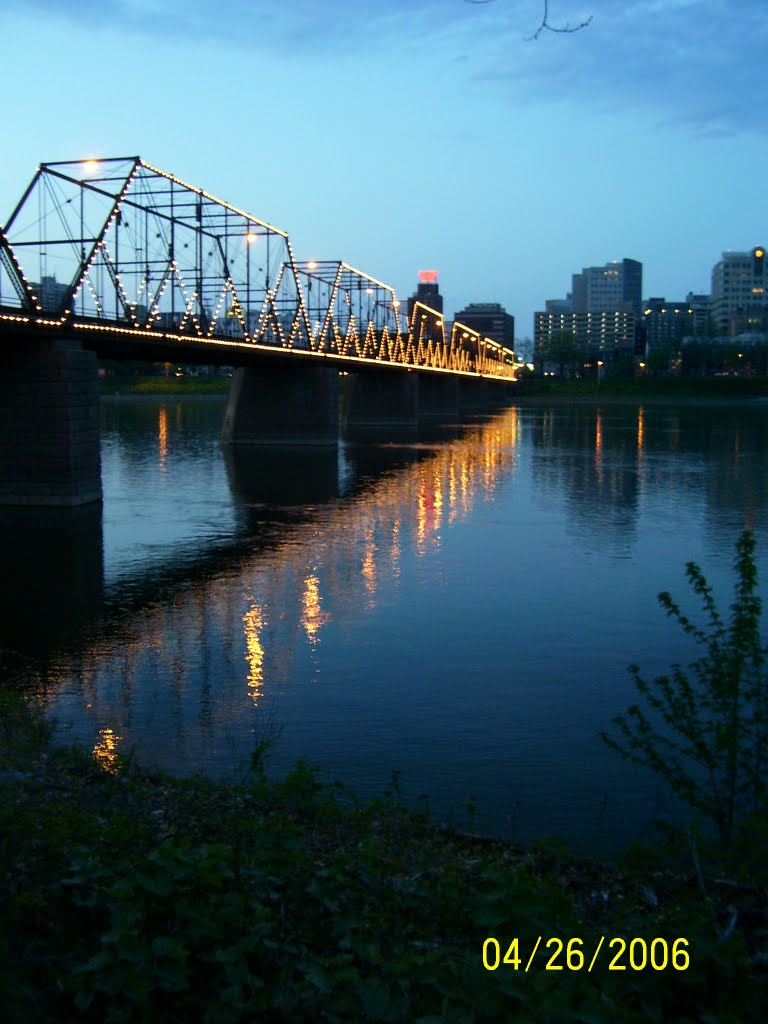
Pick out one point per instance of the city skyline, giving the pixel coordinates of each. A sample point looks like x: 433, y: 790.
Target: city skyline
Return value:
x: 430, y: 135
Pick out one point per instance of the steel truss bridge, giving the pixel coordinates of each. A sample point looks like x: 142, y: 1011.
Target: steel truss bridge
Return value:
x: 131, y: 259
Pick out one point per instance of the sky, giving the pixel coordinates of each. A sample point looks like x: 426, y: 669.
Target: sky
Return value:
x: 421, y: 134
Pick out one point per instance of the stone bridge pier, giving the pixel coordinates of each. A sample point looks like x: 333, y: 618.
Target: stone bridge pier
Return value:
x: 280, y: 404
x: 380, y: 404
x: 439, y: 397
x: 49, y: 425
x: 49, y: 413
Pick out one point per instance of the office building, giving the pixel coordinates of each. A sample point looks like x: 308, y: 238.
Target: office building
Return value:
x: 740, y: 293
x: 667, y: 323
x: 701, y: 306
x: 51, y: 294
x: 559, y: 305
x: 602, y: 310
x: 427, y: 293
x: 615, y: 286
x: 490, y: 320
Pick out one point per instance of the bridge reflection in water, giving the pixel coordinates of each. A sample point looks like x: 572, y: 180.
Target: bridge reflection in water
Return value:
x: 204, y: 654
x: 462, y: 611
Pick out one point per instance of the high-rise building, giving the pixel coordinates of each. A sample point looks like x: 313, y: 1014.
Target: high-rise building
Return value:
x: 615, y: 286
x: 740, y: 293
x: 559, y: 305
x: 427, y: 293
x: 490, y: 320
x: 667, y: 323
x: 602, y: 310
x: 702, y: 307
x: 51, y: 293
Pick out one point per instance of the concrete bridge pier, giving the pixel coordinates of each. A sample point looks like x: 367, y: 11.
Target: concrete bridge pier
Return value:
x: 510, y: 391
x: 474, y: 395
x: 381, y: 405
x: 50, y: 452
x: 498, y: 394
x: 279, y: 404
x: 438, y: 397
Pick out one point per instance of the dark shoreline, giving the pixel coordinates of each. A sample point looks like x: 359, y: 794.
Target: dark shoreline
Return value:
x: 186, y: 899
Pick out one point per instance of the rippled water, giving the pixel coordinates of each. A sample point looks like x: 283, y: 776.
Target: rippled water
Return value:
x: 460, y: 610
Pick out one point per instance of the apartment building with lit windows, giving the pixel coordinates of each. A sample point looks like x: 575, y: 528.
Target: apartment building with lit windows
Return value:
x: 602, y: 311
x: 606, y: 332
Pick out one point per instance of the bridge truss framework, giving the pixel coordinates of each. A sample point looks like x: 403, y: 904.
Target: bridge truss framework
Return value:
x: 118, y: 246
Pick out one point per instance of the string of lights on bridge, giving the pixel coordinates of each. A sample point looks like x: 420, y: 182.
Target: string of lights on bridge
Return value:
x: 312, y: 308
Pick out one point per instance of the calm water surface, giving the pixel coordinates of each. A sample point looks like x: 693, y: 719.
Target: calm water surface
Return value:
x: 461, y: 610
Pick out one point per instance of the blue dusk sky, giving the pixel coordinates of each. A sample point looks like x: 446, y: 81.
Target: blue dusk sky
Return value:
x: 416, y: 134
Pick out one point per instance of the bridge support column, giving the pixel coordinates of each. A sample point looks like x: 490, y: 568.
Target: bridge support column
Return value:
x: 497, y: 394
x: 509, y: 391
x: 474, y: 395
x: 283, y: 405
x: 49, y: 426
x: 381, y: 405
x: 438, y: 397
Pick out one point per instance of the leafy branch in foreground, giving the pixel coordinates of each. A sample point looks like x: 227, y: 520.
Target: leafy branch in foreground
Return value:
x: 707, y: 733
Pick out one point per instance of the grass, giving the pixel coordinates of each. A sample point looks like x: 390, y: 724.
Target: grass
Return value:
x: 130, y: 896
x: 186, y: 385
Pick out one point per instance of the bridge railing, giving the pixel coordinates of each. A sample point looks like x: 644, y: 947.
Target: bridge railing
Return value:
x: 122, y: 246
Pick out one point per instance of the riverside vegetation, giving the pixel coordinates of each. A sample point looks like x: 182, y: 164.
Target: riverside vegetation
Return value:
x: 665, y: 389
x: 129, y: 896
x: 171, y: 385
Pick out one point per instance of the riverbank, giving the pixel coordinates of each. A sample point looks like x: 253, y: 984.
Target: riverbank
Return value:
x: 180, y: 386
x: 646, y: 390
x: 640, y: 389
x: 131, y: 896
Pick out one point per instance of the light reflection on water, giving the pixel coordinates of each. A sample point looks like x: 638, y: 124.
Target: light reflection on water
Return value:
x: 461, y: 610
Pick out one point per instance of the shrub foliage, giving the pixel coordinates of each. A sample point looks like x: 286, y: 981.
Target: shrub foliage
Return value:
x: 705, y: 729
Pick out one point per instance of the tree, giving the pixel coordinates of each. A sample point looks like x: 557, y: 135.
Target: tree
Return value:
x: 659, y: 358
x: 559, y: 347
x: 544, y: 25
x: 707, y: 731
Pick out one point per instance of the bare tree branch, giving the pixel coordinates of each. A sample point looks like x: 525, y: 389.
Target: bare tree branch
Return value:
x: 553, y: 28
x: 544, y: 21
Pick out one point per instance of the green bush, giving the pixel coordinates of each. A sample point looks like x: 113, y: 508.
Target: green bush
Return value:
x: 706, y: 733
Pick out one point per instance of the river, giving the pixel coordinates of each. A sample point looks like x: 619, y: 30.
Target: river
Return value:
x: 460, y: 611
